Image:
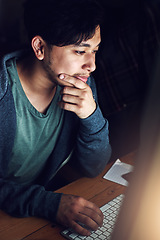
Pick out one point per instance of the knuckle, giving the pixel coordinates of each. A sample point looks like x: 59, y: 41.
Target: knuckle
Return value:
x: 84, y: 94
x: 64, y: 89
x: 74, y: 208
x: 80, y: 107
x: 66, y: 106
x: 79, y: 200
x: 65, y: 98
x: 76, y: 203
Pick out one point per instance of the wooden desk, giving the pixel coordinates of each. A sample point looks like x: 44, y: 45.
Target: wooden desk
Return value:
x: 97, y: 190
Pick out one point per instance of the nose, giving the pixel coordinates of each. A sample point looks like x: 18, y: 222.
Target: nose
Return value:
x: 90, y: 63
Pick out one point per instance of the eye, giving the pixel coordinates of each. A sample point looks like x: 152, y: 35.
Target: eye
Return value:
x: 80, y: 52
x: 95, y: 51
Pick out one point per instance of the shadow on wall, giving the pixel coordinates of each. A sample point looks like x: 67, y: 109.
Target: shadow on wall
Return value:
x: 12, y: 32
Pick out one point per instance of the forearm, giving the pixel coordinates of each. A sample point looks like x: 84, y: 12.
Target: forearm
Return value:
x: 93, y: 150
x: 24, y: 201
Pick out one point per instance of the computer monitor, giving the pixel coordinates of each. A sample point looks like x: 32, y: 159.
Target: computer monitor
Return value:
x: 139, y: 217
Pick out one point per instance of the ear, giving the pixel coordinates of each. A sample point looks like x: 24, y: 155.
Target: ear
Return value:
x: 38, y: 47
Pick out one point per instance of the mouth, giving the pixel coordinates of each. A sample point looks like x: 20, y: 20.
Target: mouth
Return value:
x: 83, y: 78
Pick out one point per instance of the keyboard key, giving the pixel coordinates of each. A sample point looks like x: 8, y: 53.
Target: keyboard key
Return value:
x: 73, y: 235
x: 102, y: 237
x: 94, y: 235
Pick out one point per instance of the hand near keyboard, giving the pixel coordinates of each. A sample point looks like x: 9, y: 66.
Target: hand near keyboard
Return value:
x: 74, y: 209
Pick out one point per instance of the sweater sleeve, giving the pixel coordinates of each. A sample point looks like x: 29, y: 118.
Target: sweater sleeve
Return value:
x: 24, y: 201
x: 92, y: 150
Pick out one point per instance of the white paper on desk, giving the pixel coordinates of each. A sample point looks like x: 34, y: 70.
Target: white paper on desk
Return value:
x: 116, y: 172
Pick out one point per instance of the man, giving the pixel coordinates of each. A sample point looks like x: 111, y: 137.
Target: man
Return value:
x: 50, y: 115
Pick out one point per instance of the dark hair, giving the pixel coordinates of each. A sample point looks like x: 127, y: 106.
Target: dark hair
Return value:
x: 62, y: 22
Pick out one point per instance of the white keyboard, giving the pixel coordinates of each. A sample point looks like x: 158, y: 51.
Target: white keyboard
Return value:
x: 110, y: 211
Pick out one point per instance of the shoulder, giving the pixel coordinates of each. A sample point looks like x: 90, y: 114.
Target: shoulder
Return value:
x: 3, y: 70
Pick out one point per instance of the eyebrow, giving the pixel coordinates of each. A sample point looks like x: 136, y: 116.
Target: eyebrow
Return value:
x: 84, y: 45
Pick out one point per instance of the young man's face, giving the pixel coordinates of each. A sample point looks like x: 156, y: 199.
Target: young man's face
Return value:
x: 73, y: 60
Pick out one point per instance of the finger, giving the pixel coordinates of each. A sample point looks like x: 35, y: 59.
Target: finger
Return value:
x: 90, y: 221
x: 75, y: 105
x: 69, y: 93
x: 70, y: 99
x: 96, y: 216
x: 73, y: 91
x: 78, y: 105
x: 70, y: 106
x: 85, y: 94
x: 80, y: 229
x: 73, y: 81
x: 93, y: 207
x: 90, y: 215
x: 63, y: 82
